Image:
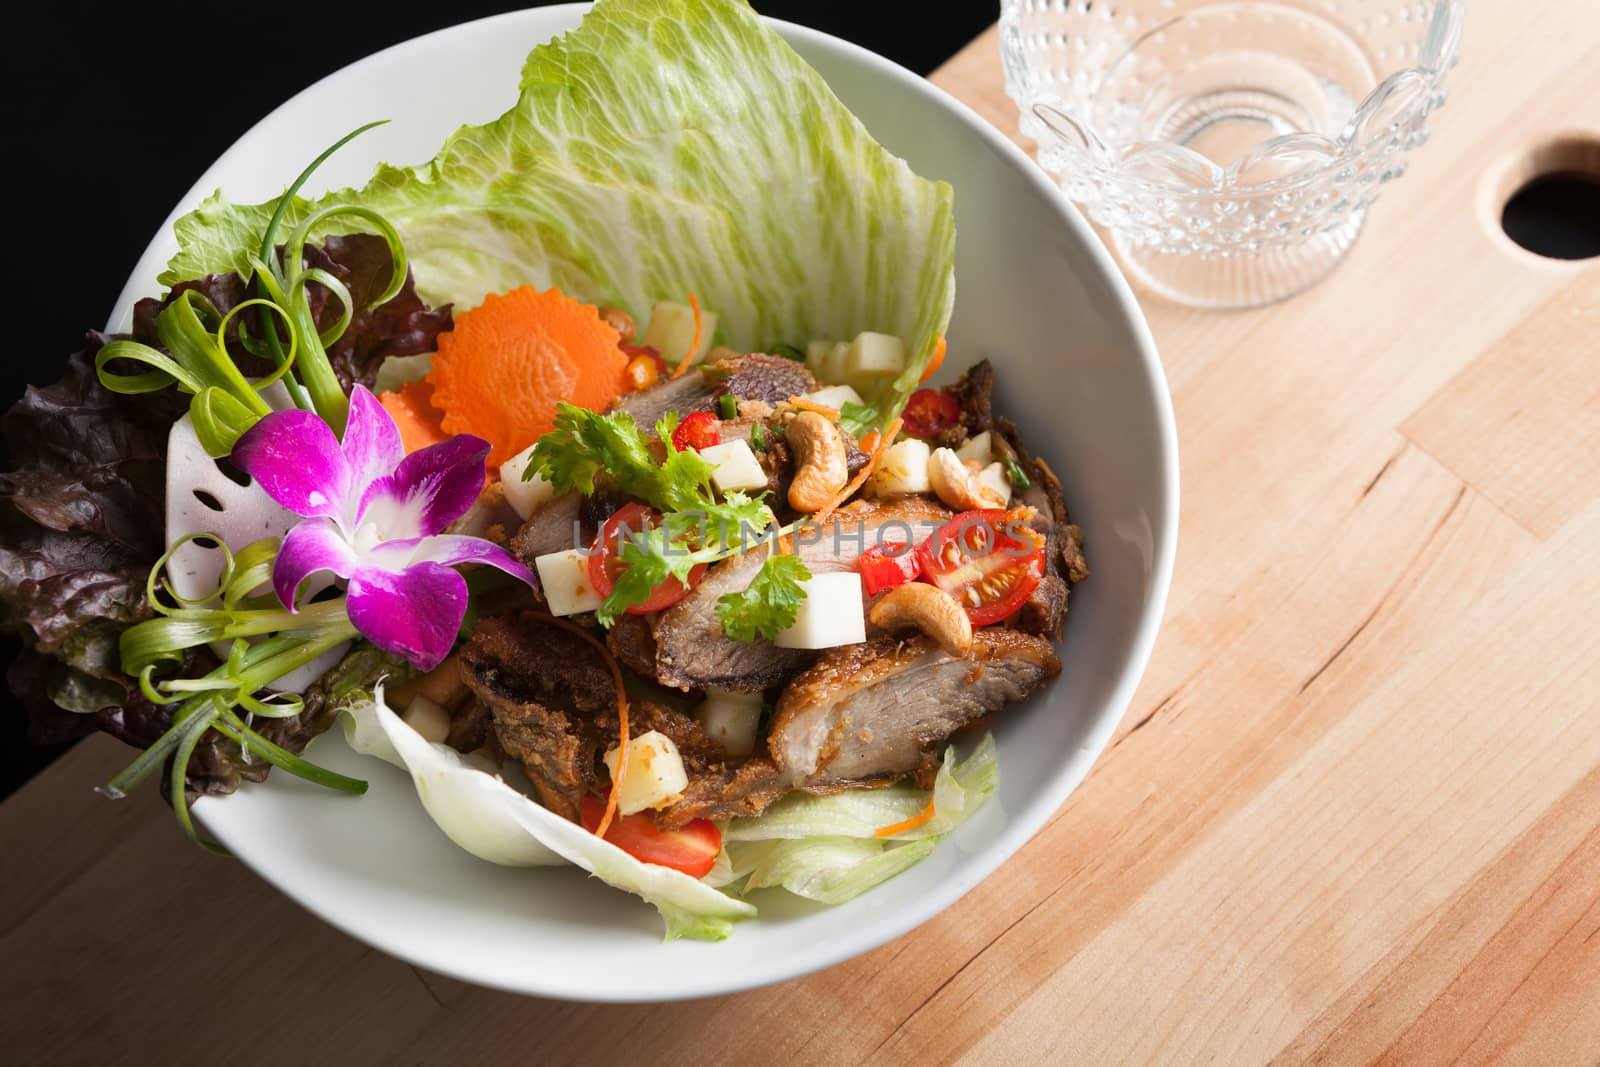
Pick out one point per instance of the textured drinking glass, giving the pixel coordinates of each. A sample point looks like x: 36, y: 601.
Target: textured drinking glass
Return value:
x: 1230, y: 149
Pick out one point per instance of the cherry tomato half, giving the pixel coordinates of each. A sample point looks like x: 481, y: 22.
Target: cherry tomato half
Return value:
x: 692, y: 850
x: 930, y: 412
x: 699, y: 429
x: 989, y: 563
x: 888, y: 565
x: 605, y: 564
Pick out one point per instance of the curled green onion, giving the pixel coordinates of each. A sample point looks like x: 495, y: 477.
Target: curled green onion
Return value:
x: 287, y: 641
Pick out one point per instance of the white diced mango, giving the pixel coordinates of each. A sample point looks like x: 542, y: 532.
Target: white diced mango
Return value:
x: 980, y: 448
x: 655, y: 775
x: 671, y: 331
x: 993, y: 479
x: 830, y: 615
x: 731, y: 719
x: 874, y: 355
x: 826, y: 359
x: 428, y: 719
x: 736, y: 467
x: 524, y: 495
x: 835, y: 396
x: 903, y: 469
x: 564, y: 577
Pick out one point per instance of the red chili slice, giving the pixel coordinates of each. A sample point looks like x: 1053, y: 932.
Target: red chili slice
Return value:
x: 700, y: 429
x: 888, y: 565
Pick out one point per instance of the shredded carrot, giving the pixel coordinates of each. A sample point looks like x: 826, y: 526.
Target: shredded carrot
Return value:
x: 622, y: 718
x: 824, y: 410
x: 501, y: 370
x: 909, y: 824
x: 869, y: 443
x: 694, y: 346
x: 861, y: 477
x: 412, y: 410
x: 936, y: 362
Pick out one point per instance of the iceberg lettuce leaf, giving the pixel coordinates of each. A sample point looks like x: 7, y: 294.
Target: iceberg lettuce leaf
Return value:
x: 961, y: 788
x: 832, y: 870
x: 485, y: 816
x: 663, y: 146
x: 826, y: 848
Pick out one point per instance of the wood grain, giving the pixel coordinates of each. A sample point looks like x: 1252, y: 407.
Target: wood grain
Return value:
x: 1353, y: 815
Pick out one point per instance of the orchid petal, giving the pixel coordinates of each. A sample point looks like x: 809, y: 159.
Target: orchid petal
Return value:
x: 451, y: 549
x: 430, y: 489
x: 416, y: 613
x: 314, y: 545
x: 295, y: 458
x: 371, y: 443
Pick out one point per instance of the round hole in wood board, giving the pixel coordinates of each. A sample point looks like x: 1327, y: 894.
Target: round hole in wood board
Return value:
x: 1545, y: 201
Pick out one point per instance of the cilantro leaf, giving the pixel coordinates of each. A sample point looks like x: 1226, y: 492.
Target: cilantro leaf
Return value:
x: 738, y: 522
x: 586, y: 443
x: 695, y: 526
x: 768, y: 604
x: 648, y: 558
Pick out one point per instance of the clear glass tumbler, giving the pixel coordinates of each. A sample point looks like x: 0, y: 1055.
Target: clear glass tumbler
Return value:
x: 1231, y: 149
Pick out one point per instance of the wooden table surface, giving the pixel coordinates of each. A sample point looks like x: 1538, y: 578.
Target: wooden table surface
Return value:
x: 1353, y: 813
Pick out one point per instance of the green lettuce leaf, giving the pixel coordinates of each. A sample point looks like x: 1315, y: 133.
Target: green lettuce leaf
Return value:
x: 832, y: 870
x: 664, y: 146
x: 826, y: 848
x: 478, y: 811
x: 959, y: 790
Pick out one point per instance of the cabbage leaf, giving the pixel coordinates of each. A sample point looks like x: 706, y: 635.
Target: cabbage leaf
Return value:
x: 827, y: 848
x: 663, y: 147
x: 478, y: 811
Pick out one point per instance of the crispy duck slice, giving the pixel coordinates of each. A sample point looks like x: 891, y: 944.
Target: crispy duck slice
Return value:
x: 877, y: 710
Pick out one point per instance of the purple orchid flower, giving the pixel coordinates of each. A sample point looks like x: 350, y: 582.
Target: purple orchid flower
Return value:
x: 376, y: 516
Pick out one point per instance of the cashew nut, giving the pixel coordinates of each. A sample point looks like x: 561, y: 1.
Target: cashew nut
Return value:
x: 960, y: 486
x: 620, y: 321
x: 929, y: 609
x: 820, y: 467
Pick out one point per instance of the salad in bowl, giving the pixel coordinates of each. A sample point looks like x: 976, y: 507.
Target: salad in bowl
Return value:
x: 588, y: 473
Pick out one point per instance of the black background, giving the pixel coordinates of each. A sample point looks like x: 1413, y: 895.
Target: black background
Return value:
x: 111, y: 114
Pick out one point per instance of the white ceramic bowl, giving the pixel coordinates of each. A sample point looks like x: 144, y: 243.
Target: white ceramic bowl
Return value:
x: 1076, y: 367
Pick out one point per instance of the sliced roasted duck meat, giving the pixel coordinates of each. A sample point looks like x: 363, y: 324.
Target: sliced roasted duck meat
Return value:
x: 703, y: 758
x: 571, y: 521
x: 549, y: 701
x: 758, y: 376
x: 737, y: 789
x: 693, y: 653
x: 633, y: 641
x: 876, y: 711
x: 755, y: 376
x: 544, y: 688
x: 692, y: 392
x: 862, y: 524
x: 472, y: 728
